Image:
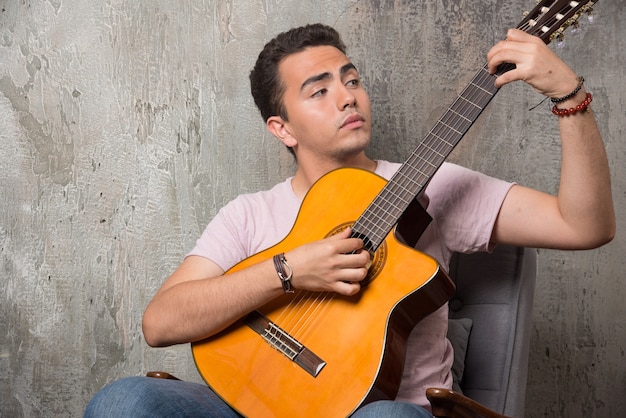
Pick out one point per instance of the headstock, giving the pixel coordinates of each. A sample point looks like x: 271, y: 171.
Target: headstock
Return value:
x: 549, y: 19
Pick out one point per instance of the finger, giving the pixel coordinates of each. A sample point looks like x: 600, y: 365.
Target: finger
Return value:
x: 498, y: 56
x: 346, y: 245
x: 505, y: 78
x: 342, y: 234
x: 517, y: 35
x: 494, y: 51
x: 347, y: 288
x: 512, y: 49
x: 505, y: 52
x: 358, y: 259
x: 355, y: 275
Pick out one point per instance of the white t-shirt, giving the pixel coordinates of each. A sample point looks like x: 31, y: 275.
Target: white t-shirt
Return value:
x: 464, y: 205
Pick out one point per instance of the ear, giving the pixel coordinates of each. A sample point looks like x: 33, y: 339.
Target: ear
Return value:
x: 280, y: 129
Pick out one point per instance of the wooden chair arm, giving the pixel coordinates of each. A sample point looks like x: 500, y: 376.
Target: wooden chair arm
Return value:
x: 162, y: 375
x: 450, y: 404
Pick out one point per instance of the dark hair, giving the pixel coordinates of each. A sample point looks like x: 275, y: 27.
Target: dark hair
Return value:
x: 266, y: 85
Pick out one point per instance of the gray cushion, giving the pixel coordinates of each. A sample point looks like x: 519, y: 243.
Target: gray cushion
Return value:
x: 458, y: 334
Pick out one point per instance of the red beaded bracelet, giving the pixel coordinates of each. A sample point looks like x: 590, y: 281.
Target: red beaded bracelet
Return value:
x: 581, y: 107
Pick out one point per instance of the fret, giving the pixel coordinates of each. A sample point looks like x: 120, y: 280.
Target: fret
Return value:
x: 443, y: 125
x: 380, y: 217
x: 466, y: 100
x: 440, y: 138
x: 436, y: 151
x: 467, y: 107
x: 480, y: 88
x: 416, y: 178
x: 401, y: 197
x: 460, y: 115
x: 378, y: 228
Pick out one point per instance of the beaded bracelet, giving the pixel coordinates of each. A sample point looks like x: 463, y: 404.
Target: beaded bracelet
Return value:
x: 581, y: 107
x: 285, y: 279
x: 581, y: 80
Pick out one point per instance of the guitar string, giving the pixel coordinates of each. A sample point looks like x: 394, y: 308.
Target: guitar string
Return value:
x: 420, y: 171
x: 292, y: 310
x: 375, y: 220
x: 299, y: 313
x: 403, y: 185
x: 403, y: 188
x: 314, y: 310
x: 450, y: 127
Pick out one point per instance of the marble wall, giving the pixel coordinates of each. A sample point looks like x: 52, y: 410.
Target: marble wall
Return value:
x: 125, y: 125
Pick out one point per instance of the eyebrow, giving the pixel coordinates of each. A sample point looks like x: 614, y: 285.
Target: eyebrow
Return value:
x: 325, y: 76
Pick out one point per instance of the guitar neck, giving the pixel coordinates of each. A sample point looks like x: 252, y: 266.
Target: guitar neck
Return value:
x: 413, y: 176
x: 547, y: 21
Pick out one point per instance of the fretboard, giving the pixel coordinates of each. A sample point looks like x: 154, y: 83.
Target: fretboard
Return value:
x: 547, y: 20
x: 413, y: 176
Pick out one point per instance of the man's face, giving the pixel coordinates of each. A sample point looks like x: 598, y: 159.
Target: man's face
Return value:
x: 327, y: 107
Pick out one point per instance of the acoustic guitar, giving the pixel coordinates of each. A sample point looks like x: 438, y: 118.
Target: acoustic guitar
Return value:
x: 322, y: 354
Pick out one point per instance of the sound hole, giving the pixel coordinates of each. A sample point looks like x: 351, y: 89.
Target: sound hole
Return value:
x: 378, y: 258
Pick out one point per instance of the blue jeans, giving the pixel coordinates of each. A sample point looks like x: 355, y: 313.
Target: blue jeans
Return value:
x: 391, y: 409
x: 151, y: 397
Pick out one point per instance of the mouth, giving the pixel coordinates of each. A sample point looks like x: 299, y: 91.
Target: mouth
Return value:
x: 353, y: 121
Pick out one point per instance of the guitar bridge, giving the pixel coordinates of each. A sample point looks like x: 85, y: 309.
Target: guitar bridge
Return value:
x: 279, y: 339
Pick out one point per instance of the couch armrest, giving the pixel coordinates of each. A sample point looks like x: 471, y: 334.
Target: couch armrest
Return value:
x: 450, y: 404
x: 162, y: 375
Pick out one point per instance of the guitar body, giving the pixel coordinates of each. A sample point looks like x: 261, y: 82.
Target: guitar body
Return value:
x: 358, y: 342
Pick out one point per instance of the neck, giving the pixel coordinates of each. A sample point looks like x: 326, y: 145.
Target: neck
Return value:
x: 307, y: 174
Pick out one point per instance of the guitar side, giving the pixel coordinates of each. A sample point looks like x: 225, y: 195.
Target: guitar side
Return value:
x: 359, y: 341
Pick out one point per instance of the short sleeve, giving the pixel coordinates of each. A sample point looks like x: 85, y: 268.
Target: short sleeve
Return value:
x: 465, y: 205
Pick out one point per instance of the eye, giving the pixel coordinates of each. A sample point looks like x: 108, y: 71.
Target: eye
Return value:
x: 353, y: 83
x: 319, y: 93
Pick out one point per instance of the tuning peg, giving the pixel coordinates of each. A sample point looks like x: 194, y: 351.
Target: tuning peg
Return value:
x: 588, y: 10
x: 558, y: 35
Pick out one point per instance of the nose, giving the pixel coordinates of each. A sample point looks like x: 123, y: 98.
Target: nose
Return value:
x: 346, y: 98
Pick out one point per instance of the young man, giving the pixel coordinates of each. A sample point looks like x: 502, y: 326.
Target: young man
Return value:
x: 310, y: 95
